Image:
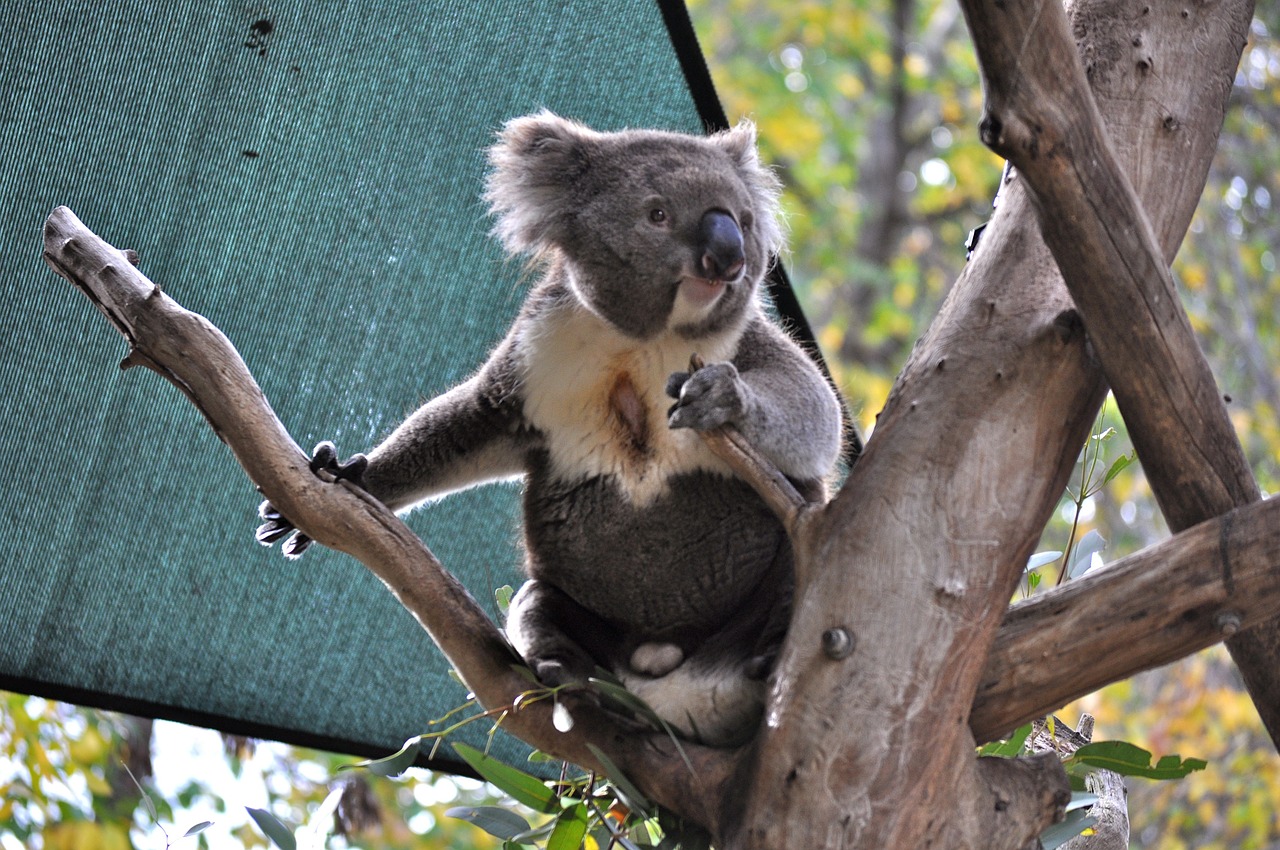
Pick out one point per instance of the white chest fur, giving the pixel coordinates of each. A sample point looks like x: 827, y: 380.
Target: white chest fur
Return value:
x: 599, y: 398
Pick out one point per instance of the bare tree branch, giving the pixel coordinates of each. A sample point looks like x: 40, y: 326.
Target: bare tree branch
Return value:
x: 186, y: 349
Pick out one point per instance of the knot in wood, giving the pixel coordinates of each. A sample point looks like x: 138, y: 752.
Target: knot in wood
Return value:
x: 837, y: 643
x: 1227, y: 622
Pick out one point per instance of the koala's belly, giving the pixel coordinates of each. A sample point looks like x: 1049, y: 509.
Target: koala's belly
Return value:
x: 677, y: 567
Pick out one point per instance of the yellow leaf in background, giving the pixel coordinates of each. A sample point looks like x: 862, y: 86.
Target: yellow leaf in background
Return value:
x: 89, y: 748
x: 115, y: 837
x: 916, y: 65
x: 881, y: 64
x: 849, y: 85
x: 1193, y: 276
x: 99, y: 786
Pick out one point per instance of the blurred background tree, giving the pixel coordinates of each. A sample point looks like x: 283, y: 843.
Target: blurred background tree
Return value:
x: 869, y: 111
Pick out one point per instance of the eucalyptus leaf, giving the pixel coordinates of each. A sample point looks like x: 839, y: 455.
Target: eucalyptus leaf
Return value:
x: 1082, y: 556
x: 1081, y: 800
x: 625, y: 698
x: 503, y: 597
x: 1039, y: 559
x: 523, y: 787
x: 1008, y: 748
x: 498, y: 822
x: 1119, y: 465
x: 1129, y: 759
x: 627, y: 792
x: 275, y: 829
x: 570, y: 829
x: 392, y: 765
x: 1060, y: 833
x: 200, y: 827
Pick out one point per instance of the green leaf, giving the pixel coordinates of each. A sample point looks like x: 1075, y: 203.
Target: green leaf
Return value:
x: 1039, y: 559
x: 503, y: 597
x: 625, y: 698
x: 200, y: 827
x: 1120, y: 464
x: 521, y: 786
x: 392, y: 765
x: 1009, y: 748
x: 1129, y: 759
x: 627, y: 792
x: 1081, y: 800
x: 273, y: 828
x: 498, y: 822
x: 570, y: 829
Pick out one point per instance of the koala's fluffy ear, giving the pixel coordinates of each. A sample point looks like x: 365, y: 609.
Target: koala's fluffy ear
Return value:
x: 740, y: 144
x: 535, y: 162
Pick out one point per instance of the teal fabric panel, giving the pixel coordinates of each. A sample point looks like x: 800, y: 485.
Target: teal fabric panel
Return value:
x: 307, y: 175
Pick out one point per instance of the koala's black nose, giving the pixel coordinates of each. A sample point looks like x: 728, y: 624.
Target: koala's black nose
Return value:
x: 720, y: 245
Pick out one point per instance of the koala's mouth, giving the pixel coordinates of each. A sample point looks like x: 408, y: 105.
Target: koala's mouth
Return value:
x: 700, y: 292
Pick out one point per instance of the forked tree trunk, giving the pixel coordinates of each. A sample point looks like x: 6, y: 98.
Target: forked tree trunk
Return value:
x: 920, y: 552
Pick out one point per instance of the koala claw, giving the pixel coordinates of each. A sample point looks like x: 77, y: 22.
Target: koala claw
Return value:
x: 276, y: 525
x: 710, y: 397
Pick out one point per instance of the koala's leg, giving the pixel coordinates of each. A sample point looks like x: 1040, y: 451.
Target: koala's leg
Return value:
x: 550, y: 630
x: 716, y: 694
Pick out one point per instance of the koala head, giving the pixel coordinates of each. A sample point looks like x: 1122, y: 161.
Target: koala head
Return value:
x: 654, y: 230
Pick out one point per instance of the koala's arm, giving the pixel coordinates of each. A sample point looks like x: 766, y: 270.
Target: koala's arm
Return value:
x: 774, y: 394
x: 469, y: 435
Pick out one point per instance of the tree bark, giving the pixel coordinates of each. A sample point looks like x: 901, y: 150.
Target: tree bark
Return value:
x: 934, y: 524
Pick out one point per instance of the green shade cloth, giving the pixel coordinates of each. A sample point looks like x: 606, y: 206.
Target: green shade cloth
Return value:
x: 307, y: 175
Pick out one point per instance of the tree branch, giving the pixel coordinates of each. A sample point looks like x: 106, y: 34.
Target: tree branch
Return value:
x: 1048, y: 125
x: 186, y: 349
x: 1156, y: 606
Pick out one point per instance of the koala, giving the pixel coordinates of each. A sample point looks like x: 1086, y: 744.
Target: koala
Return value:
x: 645, y: 555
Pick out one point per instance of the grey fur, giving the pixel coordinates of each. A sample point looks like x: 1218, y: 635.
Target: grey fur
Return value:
x: 641, y: 546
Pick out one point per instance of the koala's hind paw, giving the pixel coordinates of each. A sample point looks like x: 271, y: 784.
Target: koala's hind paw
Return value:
x: 276, y: 526
x: 656, y: 659
x: 708, y: 398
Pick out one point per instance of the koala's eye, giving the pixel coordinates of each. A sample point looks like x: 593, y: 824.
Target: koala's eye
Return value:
x: 657, y: 215
x: 746, y: 220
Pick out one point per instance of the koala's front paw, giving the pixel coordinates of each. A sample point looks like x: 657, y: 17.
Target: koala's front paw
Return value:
x: 275, y: 525
x: 712, y: 396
